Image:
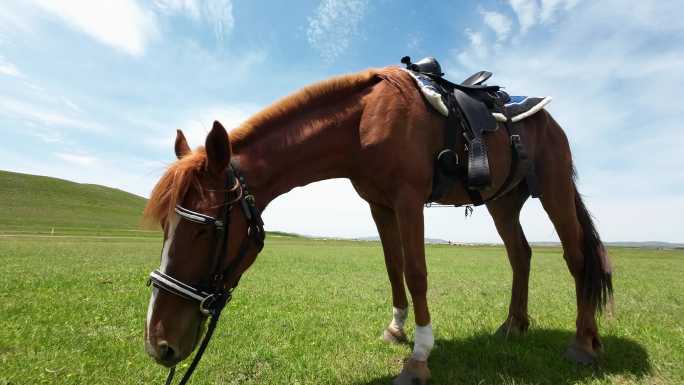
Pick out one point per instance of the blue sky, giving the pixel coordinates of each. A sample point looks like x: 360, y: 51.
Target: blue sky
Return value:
x: 93, y: 91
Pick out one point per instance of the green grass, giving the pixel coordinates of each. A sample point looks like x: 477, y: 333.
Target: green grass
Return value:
x: 72, y: 311
x: 73, y: 262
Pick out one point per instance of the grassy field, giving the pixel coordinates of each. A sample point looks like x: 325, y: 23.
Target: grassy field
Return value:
x: 39, y: 204
x: 73, y: 263
x: 72, y: 311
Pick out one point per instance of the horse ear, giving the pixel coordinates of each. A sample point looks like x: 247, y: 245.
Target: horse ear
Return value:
x: 181, y: 147
x: 218, y: 148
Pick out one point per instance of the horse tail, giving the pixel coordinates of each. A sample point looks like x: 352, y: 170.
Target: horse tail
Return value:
x: 598, y: 283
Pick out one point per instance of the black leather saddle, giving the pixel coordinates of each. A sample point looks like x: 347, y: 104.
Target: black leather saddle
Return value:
x: 477, y: 79
x: 470, y: 105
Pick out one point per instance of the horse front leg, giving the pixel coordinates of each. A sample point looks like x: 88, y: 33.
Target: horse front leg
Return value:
x: 386, y: 222
x: 410, y: 222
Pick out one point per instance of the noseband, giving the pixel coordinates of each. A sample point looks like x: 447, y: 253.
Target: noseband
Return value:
x: 214, y: 296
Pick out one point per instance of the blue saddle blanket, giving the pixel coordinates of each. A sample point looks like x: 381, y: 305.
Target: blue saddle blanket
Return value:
x: 517, y: 107
x: 520, y: 107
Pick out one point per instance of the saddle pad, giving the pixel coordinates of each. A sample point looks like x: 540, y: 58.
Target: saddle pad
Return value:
x: 521, y: 107
x: 518, y: 107
x: 430, y: 92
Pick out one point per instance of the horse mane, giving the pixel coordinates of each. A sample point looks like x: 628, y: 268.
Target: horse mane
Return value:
x: 310, y: 96
x: 172, y: 186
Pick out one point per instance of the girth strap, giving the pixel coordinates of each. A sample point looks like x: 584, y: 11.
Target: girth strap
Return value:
x: 522, y: 167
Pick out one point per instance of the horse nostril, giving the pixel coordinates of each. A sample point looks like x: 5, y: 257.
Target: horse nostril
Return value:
x: 165, y: 351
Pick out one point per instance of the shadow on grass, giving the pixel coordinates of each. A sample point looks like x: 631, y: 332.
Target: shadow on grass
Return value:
x: 536, y: 358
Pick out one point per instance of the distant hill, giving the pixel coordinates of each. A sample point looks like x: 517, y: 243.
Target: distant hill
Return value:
x: 41, y: 203
x: 642, y: 245
x: 435, y: 241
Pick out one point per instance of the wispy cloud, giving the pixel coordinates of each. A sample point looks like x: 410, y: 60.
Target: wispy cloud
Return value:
x: 218, y: 13
x: 16, y: 109
x: 8, y: 69
x: 549, y: 9
x: 198, y: 124
x: 499, y: 23
x: 477, y: 50
x: 527, y: 12
x: 414, y: 40
x: 531, y: 12
x: 605, y: 74
x: 77, y: 159
x: 334, y: 26
x: 121, y: 24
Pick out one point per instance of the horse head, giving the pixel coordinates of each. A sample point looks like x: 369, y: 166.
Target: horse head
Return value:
x: 207, y: 244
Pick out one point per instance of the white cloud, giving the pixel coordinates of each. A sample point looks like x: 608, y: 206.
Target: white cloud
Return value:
x: 604, y: 73
x: 198, y: 124
x: 476, y: 39
x: 549, y: 8
x: 218, y: 13
x: 499, y: 23
x: 121, y: 24
x: 8, y: 69
x: 187, y: 7
x: 71, y: 104
x: 477, y: 50
x: 527, y: 12
x: 414, y: 41
x: 17, y: 109
x: 532, y: 12
x: 303, y: 211
x: 79, y: 160
x: 12, y: 20
x: 334, y: 26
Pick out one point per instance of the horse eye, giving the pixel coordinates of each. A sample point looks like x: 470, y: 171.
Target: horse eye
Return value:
x: 202, y: 232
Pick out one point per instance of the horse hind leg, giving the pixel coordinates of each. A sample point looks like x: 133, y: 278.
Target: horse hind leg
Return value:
x: 584, y: 255
x: 386, y: 223
x: 506, y: 214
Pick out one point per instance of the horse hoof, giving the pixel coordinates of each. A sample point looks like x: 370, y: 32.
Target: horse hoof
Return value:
x: 394, y: 336
x: 510, y: 329
x: 579, y: 355
x: 414, y: 373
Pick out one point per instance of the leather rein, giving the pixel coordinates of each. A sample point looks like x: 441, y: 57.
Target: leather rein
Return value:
x: 214, y: 296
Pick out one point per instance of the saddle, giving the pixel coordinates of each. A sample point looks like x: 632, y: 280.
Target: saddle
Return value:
x: 470, y: 108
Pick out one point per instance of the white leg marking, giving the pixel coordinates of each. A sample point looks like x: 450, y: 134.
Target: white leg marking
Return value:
x: 398, y: 319
x: 173, y: 222
x: 424, y: 342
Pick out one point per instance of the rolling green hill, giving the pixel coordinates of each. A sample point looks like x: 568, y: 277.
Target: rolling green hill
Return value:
x: 31, y: 203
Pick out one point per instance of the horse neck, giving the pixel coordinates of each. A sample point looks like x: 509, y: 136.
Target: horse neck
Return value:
x: 315, y: 144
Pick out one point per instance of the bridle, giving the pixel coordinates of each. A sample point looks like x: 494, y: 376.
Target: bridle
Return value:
x: 214, y: 296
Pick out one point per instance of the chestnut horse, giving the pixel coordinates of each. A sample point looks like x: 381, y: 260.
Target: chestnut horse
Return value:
x: 375, y: 129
